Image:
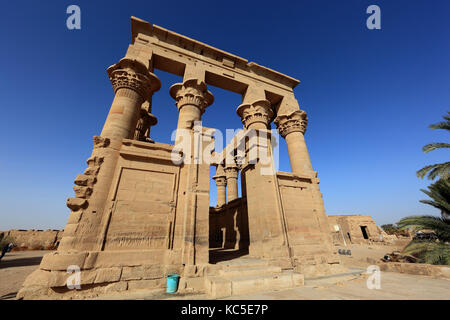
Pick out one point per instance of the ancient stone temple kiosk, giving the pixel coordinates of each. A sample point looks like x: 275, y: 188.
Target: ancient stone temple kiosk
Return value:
x: 141, y: 211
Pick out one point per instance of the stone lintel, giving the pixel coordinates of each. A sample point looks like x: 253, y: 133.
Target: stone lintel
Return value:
x: 229, y: 60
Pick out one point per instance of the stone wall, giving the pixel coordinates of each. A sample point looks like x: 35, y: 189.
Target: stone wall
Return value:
x: 228, y: 226
x: 416, y: 268
x: 34, y: 239
x: 307, y: 225
x: 350, y: 227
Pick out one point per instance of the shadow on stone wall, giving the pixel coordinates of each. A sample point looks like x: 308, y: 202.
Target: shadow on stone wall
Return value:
x: 228, y: 231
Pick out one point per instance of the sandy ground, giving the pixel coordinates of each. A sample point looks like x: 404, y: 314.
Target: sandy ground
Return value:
x: 393, y: 286
x: 14, y: 268
x: 365, y: 255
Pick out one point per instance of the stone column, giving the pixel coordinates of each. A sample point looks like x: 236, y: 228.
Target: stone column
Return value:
x: 91, y: 209
x: 255, y: 115
x: 221, y: 184
x: 291, y: 123
x: 133, y: 84
x: 192, y: 98
x: 231, y: 172
x: 292, y: 127
x: 266, y: 233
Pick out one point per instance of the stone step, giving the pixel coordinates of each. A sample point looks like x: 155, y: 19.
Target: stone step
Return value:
x: 241, y: 263
x: 237, y: 271
x: 351, y: 273
x: 221, y: 287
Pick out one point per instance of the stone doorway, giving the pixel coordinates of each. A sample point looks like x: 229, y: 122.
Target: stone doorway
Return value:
x: 364, y: 232
x: 228, y: 229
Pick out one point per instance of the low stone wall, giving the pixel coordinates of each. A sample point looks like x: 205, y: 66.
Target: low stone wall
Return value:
x: 416, y: 268
x: 44, y: 284
x: 108, y: 272
x: 34, y: 239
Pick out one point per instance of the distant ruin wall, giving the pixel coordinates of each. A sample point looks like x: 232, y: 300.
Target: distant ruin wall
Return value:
x: 357, y: 229
x: 34, y: 239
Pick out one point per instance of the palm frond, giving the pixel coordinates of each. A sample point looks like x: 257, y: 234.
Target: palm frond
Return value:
x: 435, y: 204
x: 441, y: 125
x: 433, y: 146
x: 439, y: 255
x: 439, y: 169
x: 429, y: 252
x: 439, y: 193
x: 444, y: 124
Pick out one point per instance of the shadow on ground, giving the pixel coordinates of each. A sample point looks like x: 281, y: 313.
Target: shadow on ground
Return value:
x: 23, y: 262
x: 219, y: 254
x: 8, y: 296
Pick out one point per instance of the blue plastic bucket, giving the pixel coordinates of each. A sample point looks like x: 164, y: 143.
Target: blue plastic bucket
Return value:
x: 172, y: 283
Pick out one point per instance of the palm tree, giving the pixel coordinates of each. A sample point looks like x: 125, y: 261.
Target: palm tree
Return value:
x: 440, y: 169
x: 439, y: 192
x: 440, y: 226
x: 429, y: 251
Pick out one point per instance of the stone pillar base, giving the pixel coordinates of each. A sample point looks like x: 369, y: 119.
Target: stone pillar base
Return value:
x: 318, y: 265
x: 101, y: 272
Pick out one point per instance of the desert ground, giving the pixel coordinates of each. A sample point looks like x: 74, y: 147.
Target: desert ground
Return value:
x: 15, y: 267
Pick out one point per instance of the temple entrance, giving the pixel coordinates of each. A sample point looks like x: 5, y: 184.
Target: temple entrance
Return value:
x: 228, y: 231
x: 364, y: 232
x: 228, y: 220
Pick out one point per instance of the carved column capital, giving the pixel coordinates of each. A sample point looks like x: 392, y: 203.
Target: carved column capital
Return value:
x: 192, y: 92
x: 221, y: 184
x: 133, y: 74
x: 259, y: 112
x: 220, y: 176
x: 231, y: 171
x: 293, y: 122
x: 221, y: 181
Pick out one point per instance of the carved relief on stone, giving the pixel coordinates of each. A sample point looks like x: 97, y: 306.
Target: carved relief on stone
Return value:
x: 292, y: 122
x: 258, y: 111
x: 82, y: 192
x: 75, y: 204
x: 100, y: 142
x: 134, y: 75
x: 192, y: 92
x: 145, y: 121
x: 85, y: 182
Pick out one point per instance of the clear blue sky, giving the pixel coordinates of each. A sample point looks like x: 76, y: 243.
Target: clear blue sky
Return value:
x: 369, y: 94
